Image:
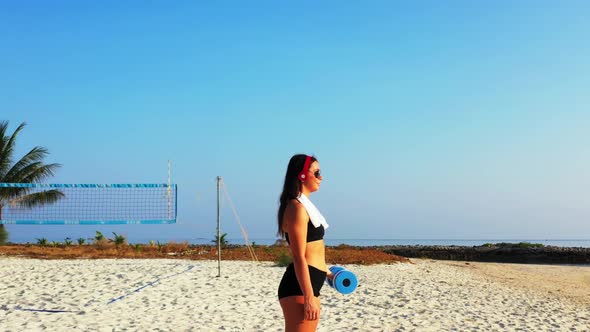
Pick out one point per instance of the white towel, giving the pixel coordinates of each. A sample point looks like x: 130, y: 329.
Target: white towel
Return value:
x: 314, y: 214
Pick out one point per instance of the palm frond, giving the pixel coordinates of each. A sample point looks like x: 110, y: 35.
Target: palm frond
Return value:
x: 8, y: 194
x: 34, y: 172
x: 7, y: 146
x: 4, y: 156
x: 37, y: 199
x: 34, y: 157
x: 28, y: 169
x: 3, y: 127
x: 42, y: 173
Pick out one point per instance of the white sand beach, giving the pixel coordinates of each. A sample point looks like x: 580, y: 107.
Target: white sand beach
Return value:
x: 186, y: 295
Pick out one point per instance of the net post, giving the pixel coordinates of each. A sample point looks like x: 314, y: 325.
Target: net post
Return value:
x: 218, y: 230
x: 169, y: 191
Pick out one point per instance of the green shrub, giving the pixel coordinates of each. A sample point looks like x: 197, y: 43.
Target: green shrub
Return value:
x: 284, y: 259
x: 118, y: 239
x: 99, y: 237
x: 3, y: 235
x: 221, y: 239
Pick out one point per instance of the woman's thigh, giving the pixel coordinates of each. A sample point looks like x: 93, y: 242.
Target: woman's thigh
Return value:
x: 293, y: 311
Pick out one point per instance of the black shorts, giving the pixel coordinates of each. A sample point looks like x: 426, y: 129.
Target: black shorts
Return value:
x: 290, y: 287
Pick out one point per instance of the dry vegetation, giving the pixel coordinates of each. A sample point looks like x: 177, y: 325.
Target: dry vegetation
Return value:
x: 342, y: 254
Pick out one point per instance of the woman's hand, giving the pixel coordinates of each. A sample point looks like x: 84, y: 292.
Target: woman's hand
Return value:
x: 311, y: 308
x: 330, y: 276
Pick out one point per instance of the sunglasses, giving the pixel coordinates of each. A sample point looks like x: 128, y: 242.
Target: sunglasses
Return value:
x: 317, y: 174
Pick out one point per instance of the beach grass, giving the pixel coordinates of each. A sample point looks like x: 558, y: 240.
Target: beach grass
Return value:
x: 102, y: 248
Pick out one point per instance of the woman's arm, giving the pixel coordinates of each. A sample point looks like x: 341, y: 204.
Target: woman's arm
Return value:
x: 296, y: 224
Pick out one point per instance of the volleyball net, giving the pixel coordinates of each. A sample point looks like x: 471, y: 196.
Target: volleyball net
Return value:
x: 89, y: 204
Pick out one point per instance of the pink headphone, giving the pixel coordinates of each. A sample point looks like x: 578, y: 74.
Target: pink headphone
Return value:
x: 303, y: 173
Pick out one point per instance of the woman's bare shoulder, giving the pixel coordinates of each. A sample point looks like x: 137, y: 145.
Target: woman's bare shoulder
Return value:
x: 295, y: 210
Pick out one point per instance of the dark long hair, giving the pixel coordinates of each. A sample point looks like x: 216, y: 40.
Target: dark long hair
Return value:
x: 292, y: 186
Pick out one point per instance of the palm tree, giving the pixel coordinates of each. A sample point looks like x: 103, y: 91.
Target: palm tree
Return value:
x: 222, y: 240
x: 99, y: 237
x: 29, y: 169
x: 118, y: 239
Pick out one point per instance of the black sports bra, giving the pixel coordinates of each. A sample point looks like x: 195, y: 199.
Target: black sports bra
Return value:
x: 313, y: 233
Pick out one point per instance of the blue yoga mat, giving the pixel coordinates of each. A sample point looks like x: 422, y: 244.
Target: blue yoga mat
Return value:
x: 345, y: 282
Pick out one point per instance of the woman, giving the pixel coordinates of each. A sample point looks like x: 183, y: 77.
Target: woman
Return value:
x: 301, y: 224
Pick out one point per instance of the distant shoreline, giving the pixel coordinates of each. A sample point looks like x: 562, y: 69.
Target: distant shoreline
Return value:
x: 506, y: 253
x: 525, y: 253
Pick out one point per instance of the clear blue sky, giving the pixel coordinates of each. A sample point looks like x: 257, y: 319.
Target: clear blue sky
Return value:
x: 453, y: 119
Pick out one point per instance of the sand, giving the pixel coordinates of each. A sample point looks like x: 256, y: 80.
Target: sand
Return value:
x: 185, y: 295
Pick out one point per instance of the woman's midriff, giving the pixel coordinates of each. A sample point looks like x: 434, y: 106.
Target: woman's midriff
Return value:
x: 315, y: 254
